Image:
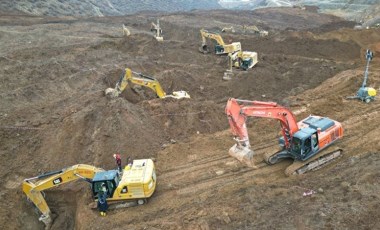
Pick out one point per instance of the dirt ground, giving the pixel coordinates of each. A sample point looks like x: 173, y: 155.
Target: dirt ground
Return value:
x: 53, y: 114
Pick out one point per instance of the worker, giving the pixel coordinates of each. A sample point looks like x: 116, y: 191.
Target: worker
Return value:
x: 102, y: 200
x: 129, y: 163
x: 118, y: 161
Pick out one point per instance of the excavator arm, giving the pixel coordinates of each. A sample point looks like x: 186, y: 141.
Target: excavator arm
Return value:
x: 237, y: 112
x: 213, y: 36
x: 130, y: 76
x: 33, y: 187
x: 136, y: 78
x: 220, y: 46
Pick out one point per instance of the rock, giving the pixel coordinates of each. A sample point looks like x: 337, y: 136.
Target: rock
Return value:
x: 164, y: 146
x: 353, y: 160
x: 173, y: 141
x: 322, y: 214
x: 202, y: 213
x: 320, y: 190
x: 345, y: 184
x: 219, y: 172
x: 204, y: 225
x: 226, y: 218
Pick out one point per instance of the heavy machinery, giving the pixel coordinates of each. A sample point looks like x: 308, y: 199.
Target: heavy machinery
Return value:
x: 366, y: 94
x: 305, y: 141
x: 219, y: 46
x: 130, y: 76
x: 228, y: 29
x: 241, y: 59
x: 126, y: 31
x: 255, y: 30
x: 133, y: 186
x: 156, y: 29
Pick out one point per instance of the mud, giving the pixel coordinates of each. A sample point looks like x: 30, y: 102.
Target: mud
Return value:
x: 54, y: 114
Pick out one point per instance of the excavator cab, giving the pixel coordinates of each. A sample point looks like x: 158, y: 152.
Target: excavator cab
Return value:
x: 304, y: 147
x: 219, y: 49
x: 110, y: 179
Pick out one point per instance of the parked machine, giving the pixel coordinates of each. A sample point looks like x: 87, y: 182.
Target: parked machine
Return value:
x: 305, y: 141
x: 366, y: 94
x: 243, y: 59
x: 130, y: 76
x: 133, y: 186
x: 219, y: 46
x: 156, y: 29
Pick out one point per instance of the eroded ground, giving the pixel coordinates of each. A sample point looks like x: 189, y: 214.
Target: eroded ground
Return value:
x: 53, y: 114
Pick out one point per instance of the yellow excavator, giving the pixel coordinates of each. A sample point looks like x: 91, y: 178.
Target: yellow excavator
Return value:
x: 219, y: 45
x: 242, y: 59
x: 131, y: 187
x: 130, y: 76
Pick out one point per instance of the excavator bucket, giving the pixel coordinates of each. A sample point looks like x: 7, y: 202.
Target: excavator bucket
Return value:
x: 112, y: 93
x: 243, y: 154
x: 204, y: 49
x: 179, y: 94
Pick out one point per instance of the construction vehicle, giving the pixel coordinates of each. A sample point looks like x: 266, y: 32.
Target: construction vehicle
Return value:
x: 126, y: 31
x: 306, y: 141
x: 228, y: 29
x: 366, y: 94
x: 130, y: 76
x: 241, y: 59
x: 219, y: 46
x: 132, y: 187
x: 156, y: 29
x: 255, y: 30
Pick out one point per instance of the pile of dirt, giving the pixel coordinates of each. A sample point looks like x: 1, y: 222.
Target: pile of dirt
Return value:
x: 54, y: 114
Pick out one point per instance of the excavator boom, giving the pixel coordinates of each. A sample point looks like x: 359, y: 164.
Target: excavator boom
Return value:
x: 53, y: 179
x: 220, y: 46
x: 300, y: 141
x: 131, y: 187
x: 237, y: 112
x: 130, y: 76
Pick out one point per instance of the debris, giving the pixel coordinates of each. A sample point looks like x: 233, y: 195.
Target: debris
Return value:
x: 309, y: 192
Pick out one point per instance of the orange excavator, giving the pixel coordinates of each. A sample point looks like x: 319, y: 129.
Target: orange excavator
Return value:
x: 305, y: 141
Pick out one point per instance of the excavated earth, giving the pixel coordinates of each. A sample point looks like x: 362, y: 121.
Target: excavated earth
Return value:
x: 53, y: 114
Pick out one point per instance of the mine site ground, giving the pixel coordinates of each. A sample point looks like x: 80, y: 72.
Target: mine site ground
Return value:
x: 54, y: 114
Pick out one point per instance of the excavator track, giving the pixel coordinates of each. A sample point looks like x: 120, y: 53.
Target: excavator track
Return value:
x: 314, y: 163
x: 268, y: 155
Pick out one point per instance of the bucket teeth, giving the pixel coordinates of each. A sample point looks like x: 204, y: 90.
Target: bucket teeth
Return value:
x: 243, y: 154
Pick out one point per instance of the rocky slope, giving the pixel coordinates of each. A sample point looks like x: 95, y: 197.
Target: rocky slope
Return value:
x: 364, y: 11
x: 101, y: 8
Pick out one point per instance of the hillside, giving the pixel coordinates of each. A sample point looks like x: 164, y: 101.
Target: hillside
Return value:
x: 363, y: 11
x: 101, y: 8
